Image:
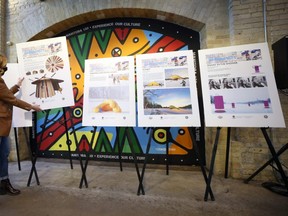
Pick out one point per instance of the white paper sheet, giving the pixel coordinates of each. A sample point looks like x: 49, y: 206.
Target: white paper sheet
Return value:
x: 239, y: 88
x: 21, y: 118
x: 109, y: 92
x: 166, y: 90
x: 46, y: 68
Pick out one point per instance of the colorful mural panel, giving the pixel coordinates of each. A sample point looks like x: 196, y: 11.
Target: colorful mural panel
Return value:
x: 60, y: 133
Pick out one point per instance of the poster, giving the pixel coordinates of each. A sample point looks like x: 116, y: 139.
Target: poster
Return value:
x: 113, y: 38
x: 21, y: 118
x: 166, y: 90
x: 109, y: 92
x: 239, y: 88
x: 45, y: 66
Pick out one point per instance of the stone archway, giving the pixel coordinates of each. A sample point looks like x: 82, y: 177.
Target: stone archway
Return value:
x: 117, y: 12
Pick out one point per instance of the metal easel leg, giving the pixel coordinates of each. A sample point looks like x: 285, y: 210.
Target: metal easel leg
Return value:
x: 227, y: 152
x: 283, y: 149
x: 17, y: 148
x: 275, y: 157
x: 167, y: 150
x: 198, y: 155
x: 135, y: 159
x: 67, y: 137
x: 34, y: 153
x: 145, y: 163
x: 120, y: 143
x: 33, y: 157
x: 83, y: 177
x: 209, y: 179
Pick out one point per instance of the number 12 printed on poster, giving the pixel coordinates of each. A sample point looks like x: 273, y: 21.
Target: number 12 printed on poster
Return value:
x: 109, y: 92
x: 45, y: 66
x: 166, y: 90
x: 239, y: 88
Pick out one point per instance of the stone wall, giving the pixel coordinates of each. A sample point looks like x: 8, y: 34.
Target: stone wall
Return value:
x: 247, y: 25
x: 220, y: 23
x: 28, y: 18
x: 2, y: 26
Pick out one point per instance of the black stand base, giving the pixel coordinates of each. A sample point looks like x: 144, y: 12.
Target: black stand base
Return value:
x: 275, y: 158
x: 207, y: 179
x: 276, y: 188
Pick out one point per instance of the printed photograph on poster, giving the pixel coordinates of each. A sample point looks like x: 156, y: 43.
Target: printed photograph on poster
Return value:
x: 166, y: 89
x: 45, y: 66
x: 239, y: 88
x: 109, y: 92
x: 20, y: 118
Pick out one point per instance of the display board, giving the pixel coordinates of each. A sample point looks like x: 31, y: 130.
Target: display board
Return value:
x: 45, y: 66
x: 117, y: 37
x: 166, y: 90
x: 109, y: 92
x: 20, y: 118
x: 239, y: 88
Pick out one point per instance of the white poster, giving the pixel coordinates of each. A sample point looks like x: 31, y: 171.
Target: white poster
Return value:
x: 109, y: 92
x: 239, y: 88
x: 21, y: 118
x: 46, y: 68
x: 166, y: 90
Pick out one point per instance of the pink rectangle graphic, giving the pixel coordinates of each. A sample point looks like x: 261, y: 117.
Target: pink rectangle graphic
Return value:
x: 218, y: 102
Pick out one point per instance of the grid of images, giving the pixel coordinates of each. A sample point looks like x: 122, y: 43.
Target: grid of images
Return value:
x: 166, y: 86
x: 238, y: 82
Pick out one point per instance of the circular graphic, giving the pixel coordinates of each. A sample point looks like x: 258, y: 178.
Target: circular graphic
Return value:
x: 181, y: 131
x: 69, y: 142
x: 116, y: 52
x: 78, y: 76
x: 160, y: 136
x: 136, y: 39
x: 77, y: 112
x: 54, y: 63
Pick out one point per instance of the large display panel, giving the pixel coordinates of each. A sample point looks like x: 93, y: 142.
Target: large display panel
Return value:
x: 109, y: 92
x: 115, y: 38
x: 45, y: 66
x: 166, y: 89
x: 239, y: 88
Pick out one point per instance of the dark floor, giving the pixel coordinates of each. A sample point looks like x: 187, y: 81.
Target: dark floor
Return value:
x: 112, y: 192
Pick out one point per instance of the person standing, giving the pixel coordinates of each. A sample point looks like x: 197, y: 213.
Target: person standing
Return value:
x: 7, y: 101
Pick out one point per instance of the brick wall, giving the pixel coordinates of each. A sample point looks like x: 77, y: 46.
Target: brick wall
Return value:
x: 2, y: 26
x: 248, y: 147
x: 28, y: 18
x: 220, y: 23
x: 246, y: 24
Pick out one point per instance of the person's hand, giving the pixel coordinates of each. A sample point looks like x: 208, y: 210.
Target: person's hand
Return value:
x: 20, y: 80
x: 37, y: 108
